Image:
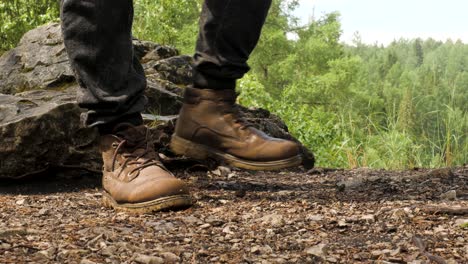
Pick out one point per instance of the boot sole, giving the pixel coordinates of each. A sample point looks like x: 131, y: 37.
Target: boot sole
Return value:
x: 162, y: 204
x: 187, y: 148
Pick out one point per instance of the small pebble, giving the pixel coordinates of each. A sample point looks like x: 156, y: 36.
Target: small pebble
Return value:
x: 450, y: 195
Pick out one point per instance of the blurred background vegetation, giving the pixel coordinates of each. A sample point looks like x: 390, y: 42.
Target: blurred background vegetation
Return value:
x: 395, y: 107
x: 19, y: 16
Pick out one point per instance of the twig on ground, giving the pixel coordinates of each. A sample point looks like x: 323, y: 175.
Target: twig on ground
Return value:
x: 445, y: 210
x: 422, y: 248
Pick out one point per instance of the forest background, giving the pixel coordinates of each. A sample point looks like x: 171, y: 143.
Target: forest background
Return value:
x: 398, y: 106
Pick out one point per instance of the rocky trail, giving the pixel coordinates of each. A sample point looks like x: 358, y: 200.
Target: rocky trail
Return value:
x: 299, y: 216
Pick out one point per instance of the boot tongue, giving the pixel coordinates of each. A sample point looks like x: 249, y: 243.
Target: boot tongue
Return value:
x: 136, y: 139
x: 133, y: 134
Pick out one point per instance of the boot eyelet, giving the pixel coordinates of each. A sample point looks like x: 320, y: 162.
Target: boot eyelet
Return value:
x: 134, y: 174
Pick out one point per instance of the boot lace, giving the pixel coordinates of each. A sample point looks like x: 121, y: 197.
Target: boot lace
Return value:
x: 128, y: 148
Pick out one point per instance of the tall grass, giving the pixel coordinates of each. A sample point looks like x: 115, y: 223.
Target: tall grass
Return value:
x: 377, y: 140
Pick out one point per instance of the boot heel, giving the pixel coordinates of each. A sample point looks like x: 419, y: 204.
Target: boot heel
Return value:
x: 186, y: 148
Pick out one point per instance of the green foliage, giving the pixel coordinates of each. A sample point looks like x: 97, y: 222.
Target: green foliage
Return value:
x: 392, y: 107
x: 168, y: 22
x: 19, y: 16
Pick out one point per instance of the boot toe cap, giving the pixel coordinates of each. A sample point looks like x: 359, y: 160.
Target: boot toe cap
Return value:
x: 278, y: 150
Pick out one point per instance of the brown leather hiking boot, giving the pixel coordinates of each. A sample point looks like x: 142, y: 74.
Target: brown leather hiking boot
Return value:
x: 134, y: 179
x: 209, y: 125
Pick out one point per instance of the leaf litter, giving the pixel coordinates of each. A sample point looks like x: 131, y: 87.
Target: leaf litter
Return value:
x: 297, y: 216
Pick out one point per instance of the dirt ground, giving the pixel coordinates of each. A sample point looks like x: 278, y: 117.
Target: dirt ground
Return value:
x: 317, y: 216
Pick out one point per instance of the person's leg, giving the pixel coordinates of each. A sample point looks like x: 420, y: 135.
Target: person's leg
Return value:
x: 209, y: 123
x: 229, y: 31
x: 97, y: 36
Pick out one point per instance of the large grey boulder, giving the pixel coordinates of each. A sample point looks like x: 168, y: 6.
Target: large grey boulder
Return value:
x: 40, y: 130
x: 40, y: 124
x: 41, y: 63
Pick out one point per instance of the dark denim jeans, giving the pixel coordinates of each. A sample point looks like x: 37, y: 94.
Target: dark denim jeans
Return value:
x: 97, y: 36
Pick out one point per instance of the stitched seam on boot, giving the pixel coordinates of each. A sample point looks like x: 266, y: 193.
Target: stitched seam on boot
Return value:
x: 214, y: 132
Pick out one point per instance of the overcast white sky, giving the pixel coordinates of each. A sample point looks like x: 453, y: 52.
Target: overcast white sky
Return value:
x: 385, y: 20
